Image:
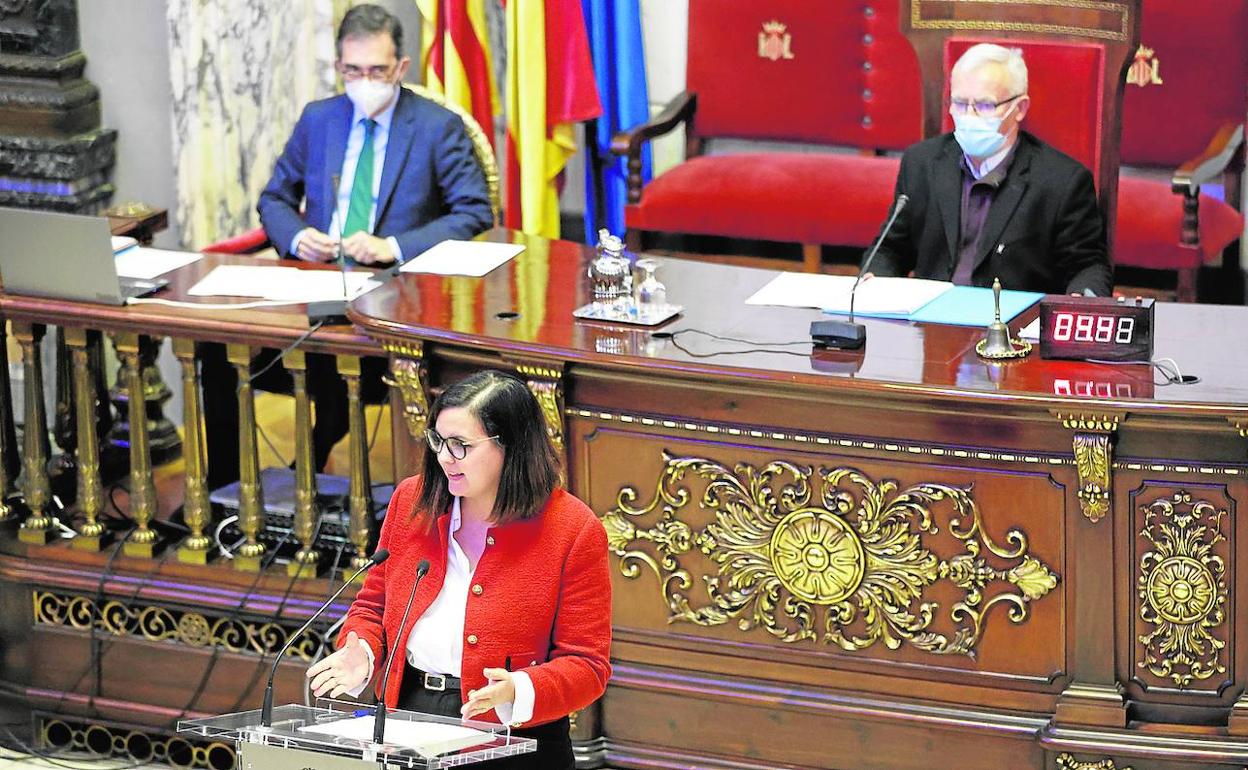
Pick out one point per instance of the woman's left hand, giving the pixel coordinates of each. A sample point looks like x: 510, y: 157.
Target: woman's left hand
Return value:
x: 499, y: 691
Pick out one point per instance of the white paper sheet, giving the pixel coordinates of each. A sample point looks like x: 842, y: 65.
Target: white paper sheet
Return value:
x: 471, y: 258
x: 1030, y: 332
x: 289, y: 284
x: 876, y: 296
x: 145, y: 263
x: 123, y: 242
x: 426, y: 738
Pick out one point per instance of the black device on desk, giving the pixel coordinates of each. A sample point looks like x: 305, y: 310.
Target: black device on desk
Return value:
x: 1097, y: 328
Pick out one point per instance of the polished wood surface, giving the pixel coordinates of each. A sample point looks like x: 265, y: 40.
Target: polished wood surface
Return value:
x: 901, y: 359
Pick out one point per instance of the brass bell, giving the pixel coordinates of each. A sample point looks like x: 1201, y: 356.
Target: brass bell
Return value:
x: 996, y: 343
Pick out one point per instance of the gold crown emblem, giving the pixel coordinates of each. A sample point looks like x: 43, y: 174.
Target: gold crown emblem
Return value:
x: 1144, y: 53
x: 774, y: 27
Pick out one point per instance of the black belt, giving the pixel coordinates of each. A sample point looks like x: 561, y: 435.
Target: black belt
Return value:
x: 434, y: 682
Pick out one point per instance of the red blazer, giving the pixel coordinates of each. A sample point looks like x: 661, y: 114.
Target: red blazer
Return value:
x: 545, y: 602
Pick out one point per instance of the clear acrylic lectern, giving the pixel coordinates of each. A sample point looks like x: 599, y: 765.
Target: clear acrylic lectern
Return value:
x: 337, y: 735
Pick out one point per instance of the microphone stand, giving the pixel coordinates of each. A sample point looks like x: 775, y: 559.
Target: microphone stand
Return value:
x: 847, y: 335
x: 266, y: 711
x: 333, y: 311
x: 379, y: 719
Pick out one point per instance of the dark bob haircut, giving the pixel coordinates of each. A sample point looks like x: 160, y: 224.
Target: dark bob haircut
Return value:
x: 508, y: 410
x: 366, y: 21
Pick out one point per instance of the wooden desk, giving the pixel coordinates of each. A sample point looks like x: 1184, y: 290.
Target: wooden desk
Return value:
x: 901, y: 558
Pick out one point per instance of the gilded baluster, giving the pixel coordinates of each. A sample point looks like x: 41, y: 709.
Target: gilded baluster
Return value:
x: 8, y: 435
x: 143, y: 541
x: 306, y: 511
x: 250, y: 493
x: 91, y: 536
x: 197, y: 548
x: 34, y: 483
x: 359, y: 495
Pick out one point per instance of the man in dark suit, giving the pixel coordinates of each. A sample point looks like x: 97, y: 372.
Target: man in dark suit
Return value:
x: 992, y: 201
x: 406, y: 179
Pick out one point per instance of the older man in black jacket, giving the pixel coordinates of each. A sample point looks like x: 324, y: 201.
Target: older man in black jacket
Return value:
x: 992, y: 201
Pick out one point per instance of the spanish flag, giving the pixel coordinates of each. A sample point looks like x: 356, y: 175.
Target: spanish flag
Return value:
x: 455, y: 57
x: 550, y: 87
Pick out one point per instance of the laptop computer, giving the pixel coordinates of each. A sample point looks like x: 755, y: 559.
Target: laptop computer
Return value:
x: 63, y: 256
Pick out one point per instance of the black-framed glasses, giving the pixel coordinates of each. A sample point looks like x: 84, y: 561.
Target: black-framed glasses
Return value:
x: 456, y: 446
x: 981, y: 107
x: 379, y: 72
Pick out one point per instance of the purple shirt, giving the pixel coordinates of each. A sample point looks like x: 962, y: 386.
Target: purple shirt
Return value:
x: 977, y: 197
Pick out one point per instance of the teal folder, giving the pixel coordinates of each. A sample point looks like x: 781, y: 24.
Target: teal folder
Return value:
x: 972, y: 306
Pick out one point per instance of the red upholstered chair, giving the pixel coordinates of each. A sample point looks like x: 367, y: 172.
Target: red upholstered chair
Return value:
x: 246, y: 243
x: 1075, y: 61
x: 836, y: 77
x: 1183, y: 113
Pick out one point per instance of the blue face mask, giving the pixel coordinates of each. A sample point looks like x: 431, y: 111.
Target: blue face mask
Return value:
x: 979, y: 137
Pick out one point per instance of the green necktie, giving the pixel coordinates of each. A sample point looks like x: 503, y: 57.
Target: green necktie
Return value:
x: 362, y: 187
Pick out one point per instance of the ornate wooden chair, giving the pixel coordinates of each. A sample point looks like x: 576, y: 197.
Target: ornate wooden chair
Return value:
x: 1076, y: 58
x: 1183, y: 119
x: 835, y: 77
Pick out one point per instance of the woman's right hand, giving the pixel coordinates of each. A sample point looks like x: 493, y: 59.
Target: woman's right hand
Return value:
x: 343, y: 671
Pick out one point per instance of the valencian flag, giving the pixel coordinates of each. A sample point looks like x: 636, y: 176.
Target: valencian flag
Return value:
x: 455, y: 57
x: 615, y: 41
x: 550, y: 87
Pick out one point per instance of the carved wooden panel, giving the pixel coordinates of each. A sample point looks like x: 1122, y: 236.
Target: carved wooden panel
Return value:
x: 1183, y: 569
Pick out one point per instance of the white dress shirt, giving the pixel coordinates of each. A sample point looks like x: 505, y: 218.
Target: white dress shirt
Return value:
x: 436, y: 644
x: 350, y: 160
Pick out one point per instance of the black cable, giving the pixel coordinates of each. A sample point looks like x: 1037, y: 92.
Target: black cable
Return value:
x: 760, y: 346
x: 298, y: 341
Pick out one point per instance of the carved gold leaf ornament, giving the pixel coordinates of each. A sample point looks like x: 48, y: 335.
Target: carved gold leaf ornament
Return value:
x: 1182, y: 588
x: 848, y: 566
x: 1068, y: 762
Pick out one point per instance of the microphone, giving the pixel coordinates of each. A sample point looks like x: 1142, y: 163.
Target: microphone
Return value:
x: 266, y: 711
x: 379, y: 722
x: 847, y: 335
x: 333, y: 311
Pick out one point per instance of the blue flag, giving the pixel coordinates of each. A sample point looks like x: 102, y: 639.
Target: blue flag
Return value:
x: 620, y: 69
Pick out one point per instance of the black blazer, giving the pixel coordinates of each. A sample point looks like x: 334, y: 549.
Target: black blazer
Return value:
x: 1044, y: 230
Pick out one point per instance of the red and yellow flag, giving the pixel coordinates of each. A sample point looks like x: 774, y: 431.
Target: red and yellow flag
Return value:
x: 550, y: 87
x: 455, y: 57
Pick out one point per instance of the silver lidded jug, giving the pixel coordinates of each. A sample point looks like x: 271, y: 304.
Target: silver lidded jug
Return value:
x: 611, y: 277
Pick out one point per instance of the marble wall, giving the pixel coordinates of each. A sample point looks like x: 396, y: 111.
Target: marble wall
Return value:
x: 240, y: 72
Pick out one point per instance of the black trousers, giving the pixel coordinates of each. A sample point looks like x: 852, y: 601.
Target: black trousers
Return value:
x: 554, y: 745
x: 326, y: 387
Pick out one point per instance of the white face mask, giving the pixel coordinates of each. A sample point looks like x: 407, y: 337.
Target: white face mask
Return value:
x: 980, y: 137
x: 370, y: 96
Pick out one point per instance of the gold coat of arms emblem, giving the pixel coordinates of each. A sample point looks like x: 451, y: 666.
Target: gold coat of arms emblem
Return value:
x: 775, y: 42
x: 1145, y: 70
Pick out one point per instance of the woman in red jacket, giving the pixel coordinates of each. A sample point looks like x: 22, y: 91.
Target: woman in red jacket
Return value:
x: 513, y: 620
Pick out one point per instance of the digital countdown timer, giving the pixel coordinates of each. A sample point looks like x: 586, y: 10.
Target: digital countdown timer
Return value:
x: 1097, y: 328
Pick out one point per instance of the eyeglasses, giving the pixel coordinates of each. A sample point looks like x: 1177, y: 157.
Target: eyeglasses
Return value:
x: 352, y: 72
x: 981, y: 107
x: 456, y: 446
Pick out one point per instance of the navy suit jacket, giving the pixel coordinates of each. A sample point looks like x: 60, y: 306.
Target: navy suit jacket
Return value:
x: 1044, y: 230
x: 432, y: 187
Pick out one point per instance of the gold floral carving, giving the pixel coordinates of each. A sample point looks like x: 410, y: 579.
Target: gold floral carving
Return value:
x: 848, y: 566
x: 1093, y: 450
x: 1067, y: 762
x: 407, y: 375
x: 919, y: 20
x: 159, y: 624
x: 1182, y: 589
x: 546, y: 384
